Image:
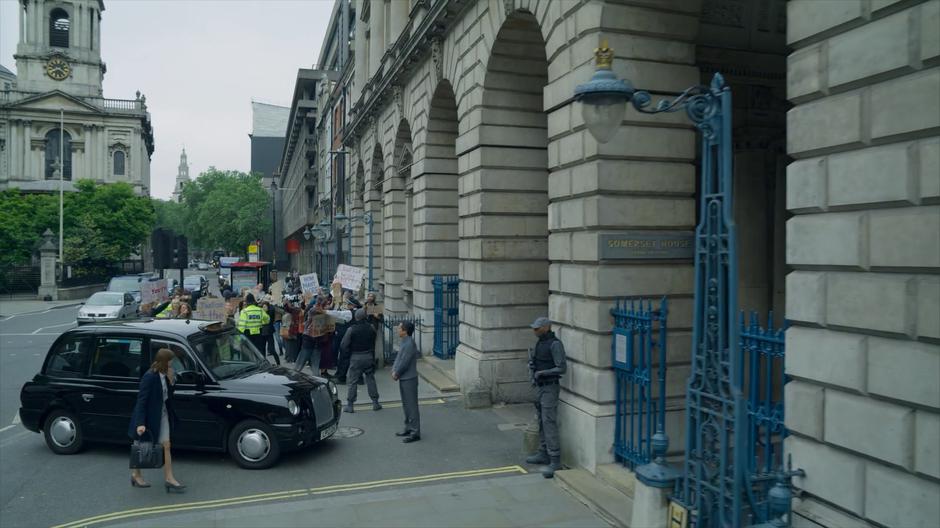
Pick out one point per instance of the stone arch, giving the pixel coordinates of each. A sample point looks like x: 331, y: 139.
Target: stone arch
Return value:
x: 398, y: 222
x: 372, y: 202
x: 356, y: 208
x: 504, y: 212
x: 435, y: 203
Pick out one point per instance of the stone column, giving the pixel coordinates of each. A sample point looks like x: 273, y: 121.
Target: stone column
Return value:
x: 362, y: 54
x: 398, y: 21
x: 48, y: 290
x: 376, y: 35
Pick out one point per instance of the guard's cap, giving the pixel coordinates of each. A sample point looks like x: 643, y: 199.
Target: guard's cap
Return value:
x: 540, y: 322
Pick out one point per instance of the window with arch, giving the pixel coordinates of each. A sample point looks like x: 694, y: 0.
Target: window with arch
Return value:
x: 119, y: 158
x: 52, y: 154
x: 59, y: 25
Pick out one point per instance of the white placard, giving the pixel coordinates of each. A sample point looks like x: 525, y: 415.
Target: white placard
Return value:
x: 620, y: 348
x: 309, y: 283
x: 349, y: 276
x: 225, y: 262
x: 153, y: 291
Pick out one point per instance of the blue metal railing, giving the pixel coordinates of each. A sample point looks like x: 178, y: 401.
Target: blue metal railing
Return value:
x: 639, y: 340
x: 392, y: 341
x: 446, y: 315
x: 762, y: 351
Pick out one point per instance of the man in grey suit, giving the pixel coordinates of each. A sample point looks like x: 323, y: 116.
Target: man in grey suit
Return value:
x: 405, y: 372
x: 546, y: 366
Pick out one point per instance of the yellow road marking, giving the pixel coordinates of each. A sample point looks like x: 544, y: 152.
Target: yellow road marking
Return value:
x: 261, y: 497
x: 395, y: 405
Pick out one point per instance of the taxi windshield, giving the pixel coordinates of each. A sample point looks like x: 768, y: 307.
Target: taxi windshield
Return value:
x: 228, y: 354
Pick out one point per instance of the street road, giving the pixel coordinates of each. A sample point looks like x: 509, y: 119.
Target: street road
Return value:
x: 39, y: 488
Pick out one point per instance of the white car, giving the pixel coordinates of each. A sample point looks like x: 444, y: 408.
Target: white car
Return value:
x: 203, y: 266
x: 108, y: 306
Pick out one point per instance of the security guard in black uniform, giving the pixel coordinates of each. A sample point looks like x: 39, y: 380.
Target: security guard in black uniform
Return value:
x: 546, y: 366
x: 359, y: 346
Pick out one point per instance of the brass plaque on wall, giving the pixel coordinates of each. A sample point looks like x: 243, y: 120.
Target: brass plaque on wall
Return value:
x: 647, y: 245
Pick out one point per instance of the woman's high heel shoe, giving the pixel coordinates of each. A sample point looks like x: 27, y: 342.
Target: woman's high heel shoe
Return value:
x: 175, y: 488
x: 136, y: 484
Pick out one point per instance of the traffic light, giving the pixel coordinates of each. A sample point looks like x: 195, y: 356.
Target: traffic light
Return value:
x: 161, y: 240
x: 180, y: 252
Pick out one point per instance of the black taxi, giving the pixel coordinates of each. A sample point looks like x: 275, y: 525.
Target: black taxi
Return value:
x: 228, y: 397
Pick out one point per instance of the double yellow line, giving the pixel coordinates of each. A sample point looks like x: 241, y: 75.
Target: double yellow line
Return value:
x: 280, y: 495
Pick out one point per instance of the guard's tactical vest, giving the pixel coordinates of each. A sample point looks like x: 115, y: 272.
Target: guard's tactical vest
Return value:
x: 543, y: 359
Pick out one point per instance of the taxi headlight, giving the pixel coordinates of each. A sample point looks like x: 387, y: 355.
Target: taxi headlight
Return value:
x: 293, y: 407
x: 332, y: 387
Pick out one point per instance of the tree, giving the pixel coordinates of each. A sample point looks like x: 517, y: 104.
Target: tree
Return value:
x: 106, y: 223
x: 225, y: 209
x: 103, y: 223
x: 23, y: 218
x: 170, y: 215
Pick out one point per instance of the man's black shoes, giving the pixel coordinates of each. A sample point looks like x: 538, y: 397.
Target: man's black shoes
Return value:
x: 411, y: 438
x: 403, y: 433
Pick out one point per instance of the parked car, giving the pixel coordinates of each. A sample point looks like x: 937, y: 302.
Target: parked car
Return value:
x: 196, y: 284
x: 227, y: 397
x: 129, y: 284
x: 108, y: 306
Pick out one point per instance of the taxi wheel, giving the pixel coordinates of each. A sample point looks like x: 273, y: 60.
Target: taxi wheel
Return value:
x: 63, y: 433
x: 252, y: 445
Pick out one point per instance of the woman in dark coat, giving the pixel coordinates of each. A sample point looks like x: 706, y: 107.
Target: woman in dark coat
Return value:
x: 153, y: 413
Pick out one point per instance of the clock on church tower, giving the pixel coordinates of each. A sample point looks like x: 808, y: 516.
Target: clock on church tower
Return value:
x: 60, y: 47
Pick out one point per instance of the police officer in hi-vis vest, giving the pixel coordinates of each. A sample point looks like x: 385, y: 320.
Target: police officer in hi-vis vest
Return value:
x: 250, y: 321
x: 546, y: 366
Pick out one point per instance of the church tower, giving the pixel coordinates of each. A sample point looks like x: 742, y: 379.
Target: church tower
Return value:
x: 182, y: 176
x: 60, y: 47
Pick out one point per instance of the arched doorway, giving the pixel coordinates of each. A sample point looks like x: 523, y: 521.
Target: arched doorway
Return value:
x: 435, y: 215
x: 398, y: 231
x: 504, y: 214
x: 372, y: 202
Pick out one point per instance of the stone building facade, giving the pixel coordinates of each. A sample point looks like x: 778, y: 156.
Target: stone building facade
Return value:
x: 59, y: 70
x: 863, y: 296
x: 465, y: 145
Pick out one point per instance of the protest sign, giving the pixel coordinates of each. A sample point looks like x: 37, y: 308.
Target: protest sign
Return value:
x: 350, y: 276
x: 210, y: 309
x: 153, y: 291
x: 321, y: 324
x: 309, y: 283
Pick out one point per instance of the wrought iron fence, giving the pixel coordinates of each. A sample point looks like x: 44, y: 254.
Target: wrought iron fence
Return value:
x: 762, y: 352
x: 19, y: 280
x: 392, y: 341
x: 446, y: 315
x: 638, y: 346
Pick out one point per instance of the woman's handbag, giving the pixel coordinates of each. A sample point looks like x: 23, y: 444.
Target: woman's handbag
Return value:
x: 145, y: 454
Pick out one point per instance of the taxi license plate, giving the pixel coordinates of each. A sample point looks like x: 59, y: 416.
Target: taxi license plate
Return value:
x: 328, y: 432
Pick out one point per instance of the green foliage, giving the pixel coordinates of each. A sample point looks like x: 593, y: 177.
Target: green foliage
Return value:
x: 103, y: 223
x: 170, y: 215
x: 225, y: 209
x: 23, y: 219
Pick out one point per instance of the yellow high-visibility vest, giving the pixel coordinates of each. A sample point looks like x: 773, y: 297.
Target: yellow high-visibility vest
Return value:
x: 252, y: 318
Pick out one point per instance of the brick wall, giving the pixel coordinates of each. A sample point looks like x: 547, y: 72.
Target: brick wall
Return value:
x: 864, y: 246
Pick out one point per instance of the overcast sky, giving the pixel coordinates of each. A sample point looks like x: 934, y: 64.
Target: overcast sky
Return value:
x: 200, y: 63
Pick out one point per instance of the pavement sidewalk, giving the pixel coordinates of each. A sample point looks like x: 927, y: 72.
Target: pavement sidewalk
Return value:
x: 509, y: 501
x: 11, y: 307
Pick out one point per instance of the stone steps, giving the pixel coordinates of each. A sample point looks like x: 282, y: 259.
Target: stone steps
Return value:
x: 439, y: 373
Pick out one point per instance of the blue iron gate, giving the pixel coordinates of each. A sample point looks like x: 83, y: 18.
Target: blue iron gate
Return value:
x: 392, y: 341
x: 638, y: 342
x: 718, y: 486
x: 446, y: 315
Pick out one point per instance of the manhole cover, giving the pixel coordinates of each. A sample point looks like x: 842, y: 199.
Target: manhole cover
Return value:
x: 344, y: 431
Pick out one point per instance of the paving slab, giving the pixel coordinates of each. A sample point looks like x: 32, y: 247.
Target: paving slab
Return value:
x: 510, y: 501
